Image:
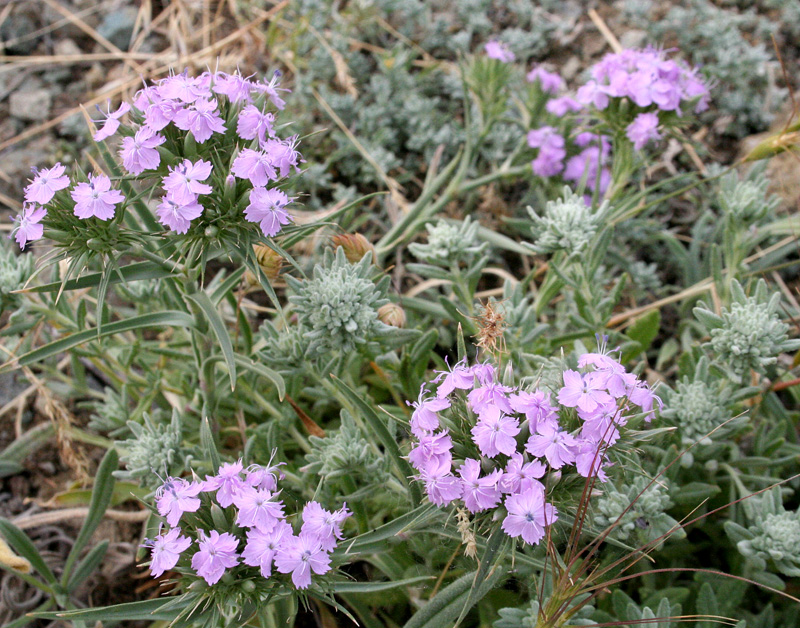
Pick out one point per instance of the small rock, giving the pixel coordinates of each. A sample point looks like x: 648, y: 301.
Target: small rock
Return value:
x: 31, y: 105
x: 67, y: 47
x: 18, y: 27
x: 117, y: 27
x: 570, y: 68
x: 633, y: 39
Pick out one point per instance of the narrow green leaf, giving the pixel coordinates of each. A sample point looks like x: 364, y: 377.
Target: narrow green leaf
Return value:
x: 138, y: 271
x: 101, y: 498
x: 264, y: 371
x: 363, y: 543
x: 157, y: 319
x: 23, y: 546
x: 208, y: 445
x: 489, y: 560
x: 403, y: 469
x: 220, y: 331
x: 152, y: 610
x: 85, y: 568
x: 374, y: 587
x: 219, y: 292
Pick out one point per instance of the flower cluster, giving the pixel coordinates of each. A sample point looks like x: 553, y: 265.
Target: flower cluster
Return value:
x: 507, y: 438
x: 270, y: 540
x: 168, y: 120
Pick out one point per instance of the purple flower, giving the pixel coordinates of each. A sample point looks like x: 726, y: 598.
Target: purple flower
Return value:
x: 227, y: 482
x: 519, y: 475
x: 46, y: 183
x: 96, y: 198
x: 271, y: 89
x: 441, y: 485
x: 562, y: 106
x: 490, y: 394
x: 323, y: 525
x: 184, y: 87
x: 256, y: 508
x: 494, y: 433
x: 479, y: 493
x: 178, y: 216
x: 300, y: 555
x: 584, y: 391
x: 593, y: 94
x: 496, y: 50
x: 112, y: 121
x: 283, y: 155
x: 257, y: 166
x: 459, y: 377
x: 217, y: 553
x: 28, y: 225
x: 643, y: 130
x: 254, y: 124
x: 139, y: 152
x: 590, y: 459
x: 528, y: 515
x: 424, y: 419
x: 166, y: 550
x: 264, y: 477
x: 184, y: 181
x: 550, y: 143
x: 554, y: 444
x: 644, y: 397
x: 266, y: 207
x: 432, y: 450
x: 601, y: 425
x: 158, y: 115
x: 201, y: 118
x: 537, y: 408
x: 177, y: 496
x: 234, y: 86
x: 549, y: 82
x: 262, y: 546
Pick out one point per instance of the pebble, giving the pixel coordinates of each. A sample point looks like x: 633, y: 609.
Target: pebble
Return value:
x: 32, y: 105
x: 633, y: 39
x: 67, y: 46
x: 117, y: 27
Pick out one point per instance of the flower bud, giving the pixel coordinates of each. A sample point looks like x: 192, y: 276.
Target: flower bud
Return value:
x: 219, y: 518
x: 392, y: 314
x: 355, y: 246
x: 211, y: 231
x: 269, y: 262
x: 248, y: 586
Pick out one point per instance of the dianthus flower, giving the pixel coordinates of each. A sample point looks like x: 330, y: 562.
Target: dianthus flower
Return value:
x: 226, y: 482
x: 28, y: 224
x: 178, y: 216
x: 431, y: 450
x: 202, y: 119
x: 283, y: 155
x: 165, y: 550
x: 549, y: 82
x: 257, y: 508
x: 528, y: 515
x: 424, y: 419
x: 590, y: 459
x: 519, y: 475
x: 264, y: 477
x: 139, y: 152
x: 536, y: 407
x: 96, y: 198
x: 255, y: 124
x: 326, y: 526
x: 496, y: 50
x: 554, y: 444
x: 300, y: 555
x: 46, y: 183
x: 271, y: 89
x: 184, y: 87
x: 479, y: 493
x: 267, y: 207
x: 643, y: 130
x: 459, y: 377
x: 262, y: 546
x: 177, y: 496
x: 183, y: 183
x: 584, y: 391
x: 217, y: 553
x: 111, y: 124
x: 441, y: 485
x: 236, y: 87
x: 494, y: 433
x: 255, y: 165
x: 490, y: 394
x: 562, y: 106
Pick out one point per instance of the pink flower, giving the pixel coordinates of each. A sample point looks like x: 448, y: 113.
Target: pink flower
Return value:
x: 266, y: 207
x: 166, y: 550
x: 325, y: 526
x: 158, y: 115
x: 28, y: 225
x: 441, y: 485
x: 112, y: 121
x: 494, y: 433
x: 234, y: 86
x: 96, y: 198
x: 643, y: 130
x: 432, y: 450
x: 555, y: 445
x: 584, y: 391
x: 537, y: 408
x: 46, y: 183
x: 591, y: 459
x: 458, y: 377
x: 139, y: 152
x: 201, y: 118
x: 562, y: 106
x: 549, y: 82
x: 184, y: 87
x: 490, y: 394
x: 227, y: 482
x: 183, y: 181
x: 254, y: 124
x: 424, y: 419
x: 283, y: 155
x: 264, y: 477
x: 177, y: 216
x: 528, y: 515
x: 300, y: 555
x: 479, y: 493
x: 217, y: 553
x: 257, y: 166
x: 271, y: 89
x: 496, y: 50
x: 519, y: 475
x: 256, y: 508
x: 262, y: 546
x: 175, y: 497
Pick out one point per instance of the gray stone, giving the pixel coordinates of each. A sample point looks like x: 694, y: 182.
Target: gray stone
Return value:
x: 117, y: 26
x: 633, y: 39
x: 67, y: 47
x: 31, y: 105
x: 18, y: 27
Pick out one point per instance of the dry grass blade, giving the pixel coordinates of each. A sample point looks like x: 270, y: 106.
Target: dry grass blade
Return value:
x: 343, y: 76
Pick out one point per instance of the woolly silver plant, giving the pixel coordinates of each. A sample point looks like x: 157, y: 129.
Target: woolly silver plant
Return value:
x: 14, y: 272
x: 646, y: 519
x: 338, y: 306
x: 449, y: 243
x: 772, y: 539
x: 153, y: 452
x: 749, y: 334
x: 567, y: 224
x: 747, y: 201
